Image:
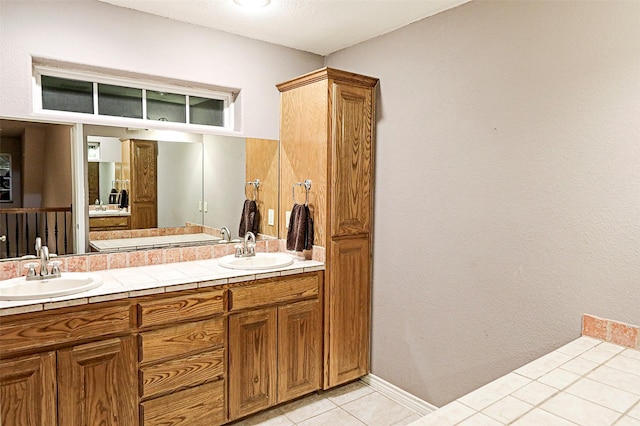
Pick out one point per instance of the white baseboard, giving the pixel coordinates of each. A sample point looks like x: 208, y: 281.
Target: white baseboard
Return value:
x: 398, y: 395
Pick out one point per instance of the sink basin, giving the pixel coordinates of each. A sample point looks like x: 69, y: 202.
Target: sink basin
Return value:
x: 104, y: 212
x: 68, y: 283
x: 259, y: 261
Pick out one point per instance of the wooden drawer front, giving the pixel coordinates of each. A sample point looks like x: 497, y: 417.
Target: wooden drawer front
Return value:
x: 179, y: 308
x: 181, y: 339
x: 109, y: 222
x: 199, y: 406
x: 180, y: 373
x: 54, y: 329
x: 273, y: 291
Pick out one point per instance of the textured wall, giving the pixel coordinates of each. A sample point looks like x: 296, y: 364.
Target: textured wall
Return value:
x: 101, y: 35
x: 507, y: 186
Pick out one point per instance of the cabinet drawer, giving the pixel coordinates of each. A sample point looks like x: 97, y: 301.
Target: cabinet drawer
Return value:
x: 115, y: 222
x: 181, y: 339
x: 199, y: 406
x: 273, y: 291
x: 180, y: 308
x: 180, y: 373
x: 51, y: 329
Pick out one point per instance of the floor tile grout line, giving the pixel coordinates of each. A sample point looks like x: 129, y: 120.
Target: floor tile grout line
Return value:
x: 558, y: 391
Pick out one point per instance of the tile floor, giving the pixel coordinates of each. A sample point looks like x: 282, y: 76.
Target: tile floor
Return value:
x: 355, y: 404
x: 586, y: 382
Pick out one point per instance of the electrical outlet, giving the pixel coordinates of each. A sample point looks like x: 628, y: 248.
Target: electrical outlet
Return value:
x: 287, y: 215
x: 271, y: 220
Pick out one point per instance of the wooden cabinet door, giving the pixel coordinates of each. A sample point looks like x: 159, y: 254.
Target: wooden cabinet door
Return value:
x: 97, y: 383
x: 349, y: 297
x: 351, y: 152
x: 299, y: 349
x: 252, y: 361
x: 28, y: 390
x: 144, y: 185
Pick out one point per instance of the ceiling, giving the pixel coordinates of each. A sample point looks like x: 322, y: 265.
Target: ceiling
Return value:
x: 317, y: 26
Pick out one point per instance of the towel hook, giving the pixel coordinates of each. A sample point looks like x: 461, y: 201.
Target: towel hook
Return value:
x: 307, y: 187
x: 256, y: 185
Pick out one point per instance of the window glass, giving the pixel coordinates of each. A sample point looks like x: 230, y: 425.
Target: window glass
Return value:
x: 209, y: 112
x: 62, y: 94
x: 162, y: 106
x: 119, y: 101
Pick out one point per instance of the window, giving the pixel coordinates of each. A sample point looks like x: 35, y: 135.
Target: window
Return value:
x: 62, y: 94
x: 119, y: 101
x: 69, y: 91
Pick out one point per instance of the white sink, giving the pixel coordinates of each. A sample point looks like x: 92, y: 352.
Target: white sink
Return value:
x: 68, y: 283
x: 106, y: 213
x: 259, y: 261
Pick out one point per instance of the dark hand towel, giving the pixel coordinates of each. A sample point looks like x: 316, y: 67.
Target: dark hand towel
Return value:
x: 124, y: 199
x: 249, y: 219
x: 300, y: 232
x: 308, y: 235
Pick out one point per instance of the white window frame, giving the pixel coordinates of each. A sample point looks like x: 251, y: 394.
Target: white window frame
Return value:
x: 96, y: 78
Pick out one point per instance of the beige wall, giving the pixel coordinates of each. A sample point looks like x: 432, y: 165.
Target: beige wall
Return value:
x: 507, y: 186
x: 33, y: 144
x: 114, y: 38
x: 56, y: 184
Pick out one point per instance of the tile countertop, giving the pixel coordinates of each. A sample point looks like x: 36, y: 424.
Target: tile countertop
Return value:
x: 140, y: 243
x: 586, y: 382
x: 144, y: 280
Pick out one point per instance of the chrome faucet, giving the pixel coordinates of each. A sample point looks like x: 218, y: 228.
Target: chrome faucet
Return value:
x: 249, y: 247
x: 42, y: 252
x: 226, y: 234
x: 99, y: 206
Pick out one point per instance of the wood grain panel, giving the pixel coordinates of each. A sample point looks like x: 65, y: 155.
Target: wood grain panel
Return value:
x: 180, y: 373
x: 28, y: 390
x: 347, y: 315
x: 93, y: 181
x: 97, y: 383
x: 199, y: 406
x: 274, y: 290
x: 182, y: 339
x: 299, y: 349
x: 304, y: 127
x: 351, y: 156
x: 154, y: 312
x: 109, y: 223
x: 252, y: 361
x: 54, y: 328
x: 141, y: 166
x: 262, y: 163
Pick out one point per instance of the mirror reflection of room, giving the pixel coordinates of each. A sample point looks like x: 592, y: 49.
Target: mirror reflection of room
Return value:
x: 200, y: 180
x: 195, y: 184
x: 37, y: 185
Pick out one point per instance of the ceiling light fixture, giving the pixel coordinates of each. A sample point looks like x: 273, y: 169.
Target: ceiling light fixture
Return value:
x: 253, y: 3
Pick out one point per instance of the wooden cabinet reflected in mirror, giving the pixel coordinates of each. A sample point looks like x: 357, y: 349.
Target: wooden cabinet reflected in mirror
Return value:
x: 140, y: 168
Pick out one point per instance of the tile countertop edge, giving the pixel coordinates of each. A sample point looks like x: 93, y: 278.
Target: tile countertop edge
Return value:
x: 114, y: 289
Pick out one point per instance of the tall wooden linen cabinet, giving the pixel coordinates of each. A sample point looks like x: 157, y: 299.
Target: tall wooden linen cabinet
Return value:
x: 327, y: 135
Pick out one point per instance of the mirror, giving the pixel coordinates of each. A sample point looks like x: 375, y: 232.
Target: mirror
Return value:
x: 200, y: 177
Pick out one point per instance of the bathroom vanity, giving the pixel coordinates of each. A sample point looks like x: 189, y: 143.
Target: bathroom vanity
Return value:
x: 200, y: 356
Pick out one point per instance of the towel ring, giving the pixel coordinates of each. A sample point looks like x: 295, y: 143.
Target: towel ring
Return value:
x: 307, y: 187
x: 256, y: 185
